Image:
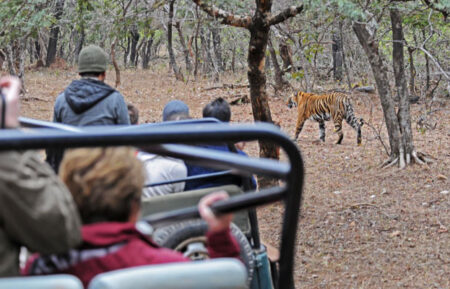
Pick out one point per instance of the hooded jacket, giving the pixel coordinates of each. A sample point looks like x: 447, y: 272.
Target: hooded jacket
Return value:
x: 87, y: 102
x: 36, y: 210
x: 111, y: 246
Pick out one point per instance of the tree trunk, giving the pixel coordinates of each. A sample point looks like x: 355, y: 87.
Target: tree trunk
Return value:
x: 337, y: 56
x: 138, y: 51
x: 2, y: 58
x: 173, y: 63
x: 22, y: 52
x: 206, y: 56
x: 10, y: 59
x: 54, y: 32
x: 126, y: 51
x: 233, y: 59
x: 259, y: 35
x: 412, y: 72
x: 427, y: 65
x: 404, y: 116
x: 116, y: 66
x: 217, y: 43
x: 134, y: 42
x: 197, y: 32
x: 37, y: 48
x: 280, y: 82
x: 344, y: 61
x: 212, y: 60
x: 286, y: 56
x: 187, y: 59
x: 379, y: 70
x: 80, y: 42
x: 147, y: 53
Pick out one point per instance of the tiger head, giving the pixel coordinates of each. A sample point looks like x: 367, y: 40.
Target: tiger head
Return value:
x: 292, y: 101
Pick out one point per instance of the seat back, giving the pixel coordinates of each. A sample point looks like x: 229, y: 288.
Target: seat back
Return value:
x: 181, y: 200
x: 212, y: 274
x: 42, y: 282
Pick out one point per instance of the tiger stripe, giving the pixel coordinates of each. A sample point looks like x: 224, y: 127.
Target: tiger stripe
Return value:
x: 322, y: 107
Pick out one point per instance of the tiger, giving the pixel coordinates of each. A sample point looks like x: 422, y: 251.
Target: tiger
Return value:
x: 321, y: 108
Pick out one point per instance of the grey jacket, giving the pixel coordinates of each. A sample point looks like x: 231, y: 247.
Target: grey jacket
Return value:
x: 88, y: 102
x: 36, y: 210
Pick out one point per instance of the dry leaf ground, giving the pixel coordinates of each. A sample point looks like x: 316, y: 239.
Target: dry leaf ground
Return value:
x: 361, y: 226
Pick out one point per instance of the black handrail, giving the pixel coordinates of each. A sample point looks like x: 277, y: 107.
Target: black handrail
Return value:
x: 191, y: 178
x: 293, y: 173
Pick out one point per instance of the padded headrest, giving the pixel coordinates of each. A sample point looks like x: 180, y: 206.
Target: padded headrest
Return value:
x: 224, y: 273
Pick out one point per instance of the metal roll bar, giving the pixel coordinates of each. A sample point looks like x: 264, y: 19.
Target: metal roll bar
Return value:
x: 291, y: 173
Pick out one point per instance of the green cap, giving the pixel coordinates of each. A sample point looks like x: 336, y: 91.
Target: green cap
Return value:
x: 92, y: 59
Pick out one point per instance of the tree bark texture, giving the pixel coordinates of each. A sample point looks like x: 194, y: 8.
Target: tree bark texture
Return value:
x: 280, y: 82
x: 37, y: 48
x: 427, y: 65
x: 134, y: 42
x: 196, y: 50
x: 259, y: 36
x: 54, y: 33
x: 404, y: 116
x: 116, y: 66
x: 286, y: 56
x: 147, y: 53
x: 344, y: 60
x: 217, y: 43
x: 379, y: 71
x: 337, y: 56
x: 173, y: 63
x: 398, y: 126
x: 126, y: 51
x: 10, y: 59
x: 412, y: 72
x: 187, y: 58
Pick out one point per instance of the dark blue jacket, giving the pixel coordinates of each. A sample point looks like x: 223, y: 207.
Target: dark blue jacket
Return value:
x: 217, y: 181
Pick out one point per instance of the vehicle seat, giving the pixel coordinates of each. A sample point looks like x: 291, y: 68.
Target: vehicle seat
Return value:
x: 185, y: 199
x: 225, y: 273
x: 42, y: 282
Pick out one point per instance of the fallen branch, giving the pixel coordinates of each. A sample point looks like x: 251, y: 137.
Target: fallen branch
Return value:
x: 227, y: 86
x: 32, y: 98
x: 240, y: 99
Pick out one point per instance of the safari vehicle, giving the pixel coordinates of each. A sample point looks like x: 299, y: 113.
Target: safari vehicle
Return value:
x: 174, y: 218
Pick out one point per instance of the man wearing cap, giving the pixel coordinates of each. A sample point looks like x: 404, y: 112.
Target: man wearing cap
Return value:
x: 88, y: 101
x: 161, y: 169
x: 175, y: 110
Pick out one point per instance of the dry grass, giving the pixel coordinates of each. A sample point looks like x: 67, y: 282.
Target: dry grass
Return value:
x: 361, y: 227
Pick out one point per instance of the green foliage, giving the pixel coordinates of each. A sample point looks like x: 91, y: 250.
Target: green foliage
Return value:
x: 21, y: 18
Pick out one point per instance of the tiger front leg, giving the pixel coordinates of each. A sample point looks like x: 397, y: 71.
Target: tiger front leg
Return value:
x: 299, y: 128
x: 322, y: 130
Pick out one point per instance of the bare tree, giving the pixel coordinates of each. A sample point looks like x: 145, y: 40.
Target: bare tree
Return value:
x: 398, y: 125
x: 54, y: 32
x: 173, y: 63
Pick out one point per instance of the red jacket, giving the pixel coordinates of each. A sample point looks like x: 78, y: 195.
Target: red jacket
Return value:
x: 112, y: 246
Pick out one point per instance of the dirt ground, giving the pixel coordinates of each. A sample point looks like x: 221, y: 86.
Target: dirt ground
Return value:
x: 361, y: 226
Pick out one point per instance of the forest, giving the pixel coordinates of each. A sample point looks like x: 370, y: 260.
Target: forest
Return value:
x: 375, y: 215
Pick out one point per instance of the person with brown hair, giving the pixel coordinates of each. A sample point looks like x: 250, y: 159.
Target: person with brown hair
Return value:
x: 133, y: 113
x: 106, y: 184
